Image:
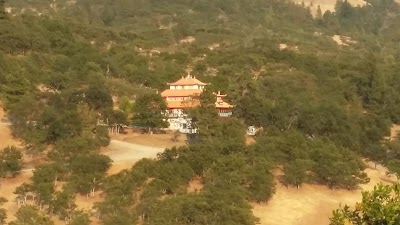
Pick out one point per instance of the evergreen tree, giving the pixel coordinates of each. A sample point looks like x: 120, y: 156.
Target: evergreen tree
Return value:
x: 205, y: 117
x: 10, y: 161
x: 318, y: 16
x: 30, y: 215
x: 380, y: 206
x: 149, y: 112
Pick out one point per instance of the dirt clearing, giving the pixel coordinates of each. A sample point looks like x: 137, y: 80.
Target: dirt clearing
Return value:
x: 6, y: 138
x: 394, y: 131
x: 7, y: 188
x: 120, y: 151
x: 312, y: 204
x: 153, y: 140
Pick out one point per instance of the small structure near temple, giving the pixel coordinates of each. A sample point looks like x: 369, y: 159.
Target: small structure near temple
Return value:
x: 185, y: 93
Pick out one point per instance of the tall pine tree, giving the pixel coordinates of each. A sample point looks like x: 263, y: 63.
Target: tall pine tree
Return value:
x: 205, y: 117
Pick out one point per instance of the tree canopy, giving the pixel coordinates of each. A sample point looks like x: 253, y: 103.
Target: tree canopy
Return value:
x: 149, y: 112
x: 320, y: 106
x: 379, y: 206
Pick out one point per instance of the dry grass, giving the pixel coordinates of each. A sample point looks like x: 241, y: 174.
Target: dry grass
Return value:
x: 86, y: 203
x: 7, y: 189
x: 195, y: 185
x: 250, y: 140
x: 118, y: 167
x: 151, y: 140
x: 311, y: 204
x: 394, y: 131
x: 6, y: 139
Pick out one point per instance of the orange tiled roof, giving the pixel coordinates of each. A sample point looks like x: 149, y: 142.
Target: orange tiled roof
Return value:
x: 181, y: 92
x: 223, y: 104
x: 182, y: 104
x: 189, y: 80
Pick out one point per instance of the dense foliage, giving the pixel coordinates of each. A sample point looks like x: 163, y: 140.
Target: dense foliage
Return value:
x: 380, y: 206
x: 10, y: 162
x: 321, y: 106
x: 149, y: 112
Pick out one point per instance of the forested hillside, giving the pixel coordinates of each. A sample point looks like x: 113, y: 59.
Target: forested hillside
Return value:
x: 323, y: 106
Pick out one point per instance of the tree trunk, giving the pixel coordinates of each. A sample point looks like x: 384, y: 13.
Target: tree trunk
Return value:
x: 55, y: 180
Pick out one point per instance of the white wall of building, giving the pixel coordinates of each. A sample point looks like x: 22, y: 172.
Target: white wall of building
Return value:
x: 183, y: 125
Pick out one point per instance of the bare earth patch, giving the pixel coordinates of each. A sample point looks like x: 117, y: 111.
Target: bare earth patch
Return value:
x: 343, y: 40
x: 394, y: 131
x: 86, y: 203
x: 195, y: 185
x: 118, y: 167
x: 151, y: 140
x: 7, y: 188
x: 250, y: 140
x: 311, y: 204
x: 6, y: 139
x: 188, y: 39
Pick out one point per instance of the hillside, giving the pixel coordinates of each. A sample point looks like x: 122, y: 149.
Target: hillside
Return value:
x: 323, y: 84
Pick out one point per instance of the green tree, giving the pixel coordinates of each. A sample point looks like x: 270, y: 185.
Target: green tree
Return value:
x: 66, y: 150
x: 125, y: 105
x: 102, y: 138
x: 10, y: 161
x: 59, y: 82
x: 88, y: 171
x: 260, y: 179
x: 296, y: 172
x: 148, y: 111
x: 63, y: 204
x: 318, y: 16
x: 108, y: 14
x: 16, y: 85
x: 60, y: 125
x: 23, y: 190
x: 22, y: 115
x: 98, y: 97
x: 337, y: 168
x: 30, y: 215
x: 44, y: 179
x: 80, y: 218
x: 380, y: 206
x: 205, y: 117
x: 114, y: 117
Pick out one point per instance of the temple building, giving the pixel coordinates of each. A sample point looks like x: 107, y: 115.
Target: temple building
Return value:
x: 184, y: 94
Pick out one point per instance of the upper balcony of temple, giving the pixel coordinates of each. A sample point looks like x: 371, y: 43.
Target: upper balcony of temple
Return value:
x: 187, y: 83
